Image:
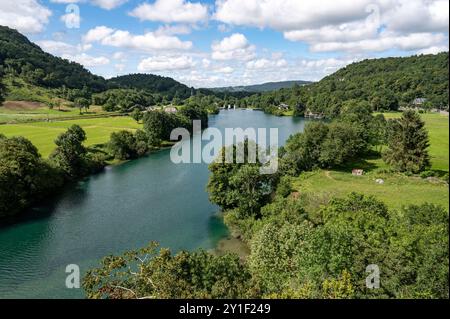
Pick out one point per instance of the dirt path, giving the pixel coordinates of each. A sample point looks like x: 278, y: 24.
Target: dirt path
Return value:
x: 327, y: 174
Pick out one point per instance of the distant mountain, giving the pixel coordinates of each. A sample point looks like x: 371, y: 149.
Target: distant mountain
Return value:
x: 269, y: 86
x: 151, y: 83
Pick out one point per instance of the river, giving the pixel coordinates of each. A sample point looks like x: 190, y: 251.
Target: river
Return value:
x: 122, y: 208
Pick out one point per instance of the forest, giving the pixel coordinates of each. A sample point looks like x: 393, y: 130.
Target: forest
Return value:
x: 386, y: 84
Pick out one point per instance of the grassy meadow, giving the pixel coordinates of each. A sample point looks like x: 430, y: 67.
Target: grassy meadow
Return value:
x: 318, y: 187
x: 12, y: 112
x: 42, y: 134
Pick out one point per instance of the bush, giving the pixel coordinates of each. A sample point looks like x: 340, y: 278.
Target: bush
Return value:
x: 284, y: 186
x: 125, y: 145
x: 426, y: 174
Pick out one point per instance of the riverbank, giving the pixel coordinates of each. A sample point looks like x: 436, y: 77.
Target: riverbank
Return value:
x: 232, y: 245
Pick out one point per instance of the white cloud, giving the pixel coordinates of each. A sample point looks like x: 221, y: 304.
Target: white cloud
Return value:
x: 234, y: 47
x: 417, y: 16
x: 433, y: 50
x: 226, y: 69
x: 165, y: 63
x: 27, y: 16
x: 97, y: 34
x: 119, y: 56
x: 233, y: 42
x: 265, y: 64
x: 87, y: 60
x: 410, y: 42
x: 197, y: 79
x: 265, y: 70
x: 171, y: 11
x: 206, y: 63
x: 108, y: 4
x: 323, y: 66
x: 173, y: 29
x: 288, y: 14
x: 354, y: 26
x: 60, y: 48
x: 56, y: 47
x: 119, y: 67
x: 124, y: 39
x: 65, y: 1
x: 104, y: 4
x: 223, y: 28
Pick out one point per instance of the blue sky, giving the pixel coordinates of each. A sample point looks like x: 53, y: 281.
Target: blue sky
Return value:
x: 229, y: 42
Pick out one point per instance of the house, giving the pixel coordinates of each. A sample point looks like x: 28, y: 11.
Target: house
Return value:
x: 357, y: 172
x: 152, y: 108
x: 283, y: 106
x: 170, y: 109
x: 310, y: 114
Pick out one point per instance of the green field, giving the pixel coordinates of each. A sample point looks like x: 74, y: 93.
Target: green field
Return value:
x: 319, y: 186
x: 41, y: 113
x: 42, y: 134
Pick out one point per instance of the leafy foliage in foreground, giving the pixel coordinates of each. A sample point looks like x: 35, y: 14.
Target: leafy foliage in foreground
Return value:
x: 293, y: 257
x: 149, y: 273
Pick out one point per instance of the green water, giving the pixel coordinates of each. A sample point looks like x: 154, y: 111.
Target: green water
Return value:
x: 124, y: 207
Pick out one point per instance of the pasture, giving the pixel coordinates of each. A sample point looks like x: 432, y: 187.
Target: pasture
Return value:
x: 318, y: 187
x: 42, y: 134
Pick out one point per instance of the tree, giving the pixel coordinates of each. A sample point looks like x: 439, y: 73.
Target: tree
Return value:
x: 159, y: 124
x: 407, y: 144
x: 51, y: 104
x: 250, y: 190
x: 341, y: 288
x: 24, y: 176
x: 137, y: 115
x: 82, y: 103
x: 142, y: 144
x: 302, y: 150
x: 70, y: 154
x: 343, y: 142
x: 195, y: 112
x: 417, y: 262
x: 2, y: 87
x: 238, y: 185
x: 123, y: 145
x: 274, y: 249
